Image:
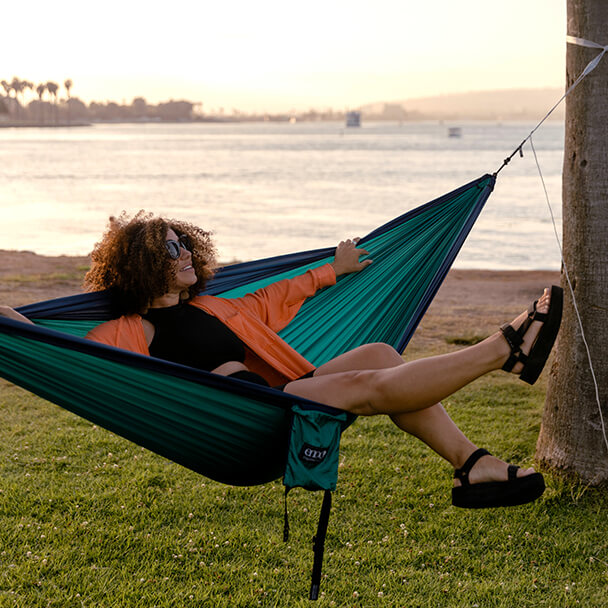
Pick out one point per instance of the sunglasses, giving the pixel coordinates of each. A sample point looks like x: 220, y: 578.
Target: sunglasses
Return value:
x: 173, y: 247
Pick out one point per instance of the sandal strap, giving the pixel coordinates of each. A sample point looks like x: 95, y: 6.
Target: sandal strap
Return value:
x: 535, y: 315
x: 510, y: 362
x: 532, y: 316
x: 512, y: 472
x: 463, y: 472
x: 514, y: 358
x: 513, y: 337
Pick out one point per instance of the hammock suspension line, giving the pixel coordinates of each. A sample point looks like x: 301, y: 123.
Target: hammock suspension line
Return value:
x: 588, y: 69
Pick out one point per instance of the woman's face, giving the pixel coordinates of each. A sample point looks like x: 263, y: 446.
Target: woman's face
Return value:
x: 185, y: 275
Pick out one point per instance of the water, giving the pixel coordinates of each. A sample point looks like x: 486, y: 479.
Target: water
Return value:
x: 266, y: 189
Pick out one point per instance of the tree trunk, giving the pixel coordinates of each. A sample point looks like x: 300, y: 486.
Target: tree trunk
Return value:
x: 571, y: 437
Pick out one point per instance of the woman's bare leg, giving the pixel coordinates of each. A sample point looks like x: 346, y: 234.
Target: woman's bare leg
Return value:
x: 410, y: 392
x: 413, y: 385
x: 432, y: 425
x: 369, y: 356
x: 405, y: 388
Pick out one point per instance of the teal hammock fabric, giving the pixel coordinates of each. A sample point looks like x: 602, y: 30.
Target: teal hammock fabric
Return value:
x: 226, y: 429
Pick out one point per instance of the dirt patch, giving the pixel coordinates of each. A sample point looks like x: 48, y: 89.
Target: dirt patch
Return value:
x: 27, y: 277
x: 472, y: 304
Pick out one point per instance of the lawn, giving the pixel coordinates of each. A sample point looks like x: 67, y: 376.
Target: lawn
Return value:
x: 89, y: 519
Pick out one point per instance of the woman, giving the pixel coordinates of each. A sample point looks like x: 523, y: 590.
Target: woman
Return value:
x: 156, y: 268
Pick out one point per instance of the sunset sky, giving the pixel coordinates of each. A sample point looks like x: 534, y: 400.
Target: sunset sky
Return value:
x: 276, y: 56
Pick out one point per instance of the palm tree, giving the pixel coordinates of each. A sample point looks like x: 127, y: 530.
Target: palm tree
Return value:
x: 68, y: 85
x: 7, y: 89
x: 26, y: 84
x: 17, y: 86
x: 52, y: 88
x: 40, y: 89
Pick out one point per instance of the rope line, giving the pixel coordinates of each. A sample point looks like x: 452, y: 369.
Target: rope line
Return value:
x: 589, y: 68
x: 578, y: 316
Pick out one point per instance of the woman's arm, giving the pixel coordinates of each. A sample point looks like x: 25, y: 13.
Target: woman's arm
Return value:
x: 11, y: 313
x: 277, y: 304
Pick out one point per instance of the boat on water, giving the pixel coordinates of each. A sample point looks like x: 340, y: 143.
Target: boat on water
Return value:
x: 454, y: 132
x: 353, y: 119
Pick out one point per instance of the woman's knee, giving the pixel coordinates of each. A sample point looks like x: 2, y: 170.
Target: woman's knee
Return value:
x: 383, y: 354
x: 368, y: 356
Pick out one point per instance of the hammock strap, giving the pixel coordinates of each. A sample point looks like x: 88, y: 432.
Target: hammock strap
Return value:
x: 286, y: 518
x: 318, y: 545
x: 588, y: 69
x: 318, y: 541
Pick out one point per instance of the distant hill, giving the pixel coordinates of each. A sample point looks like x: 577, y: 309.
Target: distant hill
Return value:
x: 507, y: 104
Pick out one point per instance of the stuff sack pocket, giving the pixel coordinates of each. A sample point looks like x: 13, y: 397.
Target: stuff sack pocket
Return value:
x: 314, y: 449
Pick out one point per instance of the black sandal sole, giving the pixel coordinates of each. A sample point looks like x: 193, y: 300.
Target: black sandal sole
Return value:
x: 539, y: 353
x: 492, y: 494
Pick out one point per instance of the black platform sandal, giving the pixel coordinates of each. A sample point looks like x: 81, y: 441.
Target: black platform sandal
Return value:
x: 534, y: 361
x: 490, y: 494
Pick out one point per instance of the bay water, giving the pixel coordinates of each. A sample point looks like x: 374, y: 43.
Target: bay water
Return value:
x: 265, y: 189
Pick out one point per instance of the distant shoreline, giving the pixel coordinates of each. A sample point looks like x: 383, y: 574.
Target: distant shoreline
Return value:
x: 39, y: 125
x: 502, y: 105
x: 271, y: 120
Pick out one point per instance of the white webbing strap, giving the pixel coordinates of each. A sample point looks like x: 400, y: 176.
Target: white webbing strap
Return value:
x: 583, y: 42
x: 588, y: 43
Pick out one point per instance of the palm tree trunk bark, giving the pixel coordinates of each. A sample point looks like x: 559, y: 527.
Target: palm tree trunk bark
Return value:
x: 572, y: 433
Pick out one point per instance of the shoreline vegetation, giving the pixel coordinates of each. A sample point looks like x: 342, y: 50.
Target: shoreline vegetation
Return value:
x: 26, y: 105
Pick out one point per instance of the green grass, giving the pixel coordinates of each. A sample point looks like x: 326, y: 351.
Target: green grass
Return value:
x: 88, y: 519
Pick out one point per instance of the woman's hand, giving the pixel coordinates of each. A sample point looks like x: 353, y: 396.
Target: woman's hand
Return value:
x: 10, y: 313
x: 347, y: 256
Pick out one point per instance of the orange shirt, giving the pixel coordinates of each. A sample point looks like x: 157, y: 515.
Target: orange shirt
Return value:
x: 255, y: 319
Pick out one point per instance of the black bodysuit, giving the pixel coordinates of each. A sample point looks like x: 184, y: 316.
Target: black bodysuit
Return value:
x: 188, y: 335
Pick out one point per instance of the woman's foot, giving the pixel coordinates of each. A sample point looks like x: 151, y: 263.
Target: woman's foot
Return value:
x: 542, y: 306
x: 528, y: 340
x: 490, y: 468
x: 486, y: 482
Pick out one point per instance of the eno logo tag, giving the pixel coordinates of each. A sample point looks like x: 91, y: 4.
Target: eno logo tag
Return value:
x: 312, y: 455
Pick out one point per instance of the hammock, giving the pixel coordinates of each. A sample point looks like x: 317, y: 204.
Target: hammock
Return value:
x: 229, y: 430
x: 226, y: 429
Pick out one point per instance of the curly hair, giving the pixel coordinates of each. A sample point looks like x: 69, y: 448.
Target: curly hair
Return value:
x: 132, y: 261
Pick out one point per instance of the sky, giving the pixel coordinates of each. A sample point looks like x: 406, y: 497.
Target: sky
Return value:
x: 274, y: 56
